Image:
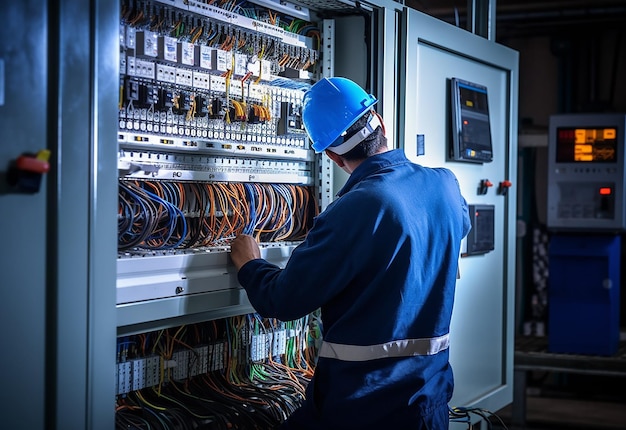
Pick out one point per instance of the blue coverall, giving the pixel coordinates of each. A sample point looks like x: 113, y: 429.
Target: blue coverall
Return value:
x: 381, y: 263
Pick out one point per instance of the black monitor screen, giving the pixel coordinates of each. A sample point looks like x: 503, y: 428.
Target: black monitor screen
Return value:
x: 471, y: 130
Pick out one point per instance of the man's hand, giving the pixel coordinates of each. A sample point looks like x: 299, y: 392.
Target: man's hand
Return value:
x: 243, y: 249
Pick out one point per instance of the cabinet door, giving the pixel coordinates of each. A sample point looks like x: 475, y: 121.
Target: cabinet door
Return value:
x: 58, y: 93
x: 23, y: 229
x: 482, y: 330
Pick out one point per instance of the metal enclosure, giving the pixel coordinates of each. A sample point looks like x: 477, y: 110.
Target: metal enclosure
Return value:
x: 59, y: 86
x: 482, y: 322
x: 584, y: 280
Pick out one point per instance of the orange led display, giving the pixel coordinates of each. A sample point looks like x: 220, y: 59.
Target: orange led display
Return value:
x: 591, y: 144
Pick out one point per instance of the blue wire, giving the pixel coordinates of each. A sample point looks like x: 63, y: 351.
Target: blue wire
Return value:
x: 174, y: 214
x: 249, y: 228
x: 140, y: 202
x: 284, y: 193
x: 288, y: 83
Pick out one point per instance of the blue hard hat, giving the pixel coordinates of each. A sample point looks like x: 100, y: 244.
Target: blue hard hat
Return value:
x: 330, y: 107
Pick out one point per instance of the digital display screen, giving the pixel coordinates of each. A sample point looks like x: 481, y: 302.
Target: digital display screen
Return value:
x: 586, y: 145
x: 471, y: 134
x: 473, y: 98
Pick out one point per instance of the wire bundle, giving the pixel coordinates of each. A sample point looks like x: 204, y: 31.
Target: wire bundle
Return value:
x: 460, y: 414
x: 151, y: 219
x: 161, y: 215
x: 239, y: 394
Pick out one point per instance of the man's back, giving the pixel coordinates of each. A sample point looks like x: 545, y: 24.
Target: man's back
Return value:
x: 402, y: 225
x: 386, y: 254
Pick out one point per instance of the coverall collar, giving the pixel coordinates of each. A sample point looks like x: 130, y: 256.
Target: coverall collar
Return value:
x: 372, y: 165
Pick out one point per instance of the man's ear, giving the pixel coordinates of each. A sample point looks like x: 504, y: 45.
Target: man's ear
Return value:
x: 382, y: 123
x: 335, y: 157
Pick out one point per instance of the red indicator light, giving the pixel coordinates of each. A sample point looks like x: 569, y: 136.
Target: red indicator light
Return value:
x: 605, y: 191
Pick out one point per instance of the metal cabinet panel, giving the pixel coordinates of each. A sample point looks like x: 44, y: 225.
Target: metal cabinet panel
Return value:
x: 482, y: 323
x: 23, y: 227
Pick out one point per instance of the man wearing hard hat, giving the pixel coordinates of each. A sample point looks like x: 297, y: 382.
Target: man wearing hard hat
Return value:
x: 381, y: 263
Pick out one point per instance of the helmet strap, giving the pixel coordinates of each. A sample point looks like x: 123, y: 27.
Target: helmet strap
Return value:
x: 372, y: 124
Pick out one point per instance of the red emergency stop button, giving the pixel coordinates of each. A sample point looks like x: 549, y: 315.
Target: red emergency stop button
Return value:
x: 25, y: 172
x: 32, y: 164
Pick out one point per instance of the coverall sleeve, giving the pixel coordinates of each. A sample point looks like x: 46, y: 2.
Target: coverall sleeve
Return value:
x: 316, y: 271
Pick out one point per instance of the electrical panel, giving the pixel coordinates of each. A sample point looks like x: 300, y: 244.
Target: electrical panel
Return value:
x: 586, y: 178
x: 211, y: 142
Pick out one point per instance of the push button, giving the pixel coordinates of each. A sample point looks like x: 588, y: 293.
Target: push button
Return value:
x: 25, y: 173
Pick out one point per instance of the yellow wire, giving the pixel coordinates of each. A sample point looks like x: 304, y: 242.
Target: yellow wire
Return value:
x: 228, y: 74
x: 260, y: 56
x: 159, y: 408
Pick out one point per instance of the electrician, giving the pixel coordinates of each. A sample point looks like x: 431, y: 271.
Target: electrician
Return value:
x: 381, y: 263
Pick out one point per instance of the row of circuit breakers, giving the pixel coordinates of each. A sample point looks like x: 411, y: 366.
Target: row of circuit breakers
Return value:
x: 205, y: 94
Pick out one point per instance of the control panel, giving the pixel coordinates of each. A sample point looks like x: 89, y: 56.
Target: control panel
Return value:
x: 586, y: 172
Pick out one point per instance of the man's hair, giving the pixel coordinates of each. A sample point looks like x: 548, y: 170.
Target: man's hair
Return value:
x: 370, y: 145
